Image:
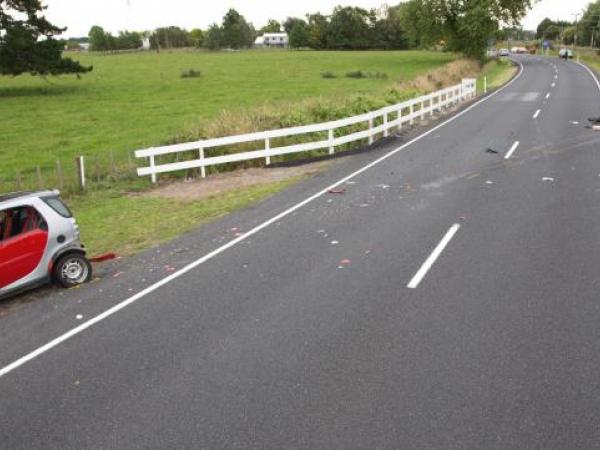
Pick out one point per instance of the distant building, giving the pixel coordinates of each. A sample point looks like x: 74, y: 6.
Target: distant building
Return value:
x: 272, y: 40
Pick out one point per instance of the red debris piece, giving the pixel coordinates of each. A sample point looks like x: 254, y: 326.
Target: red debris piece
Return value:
x: 345, y: 262
x: 337, y: 191
x: 104, y: 257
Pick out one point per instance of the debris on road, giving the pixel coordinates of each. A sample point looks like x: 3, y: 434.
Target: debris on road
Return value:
x: 335, y: 242
x: 491, y: 150
x: 344, y: 263
x: 383, y: 186
x: 117, y: 274
x: 79, y: 317
x: 489, y: 182
x: 550, y: 179
x: 337, y: 191
x: 104, y: 257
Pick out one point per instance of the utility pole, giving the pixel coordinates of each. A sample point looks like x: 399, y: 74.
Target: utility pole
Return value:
x: 576, y: 25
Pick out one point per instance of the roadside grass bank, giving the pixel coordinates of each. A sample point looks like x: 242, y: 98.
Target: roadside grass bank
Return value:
x: 112, y: 214
x: 498, y: 73
x: 138, y: 100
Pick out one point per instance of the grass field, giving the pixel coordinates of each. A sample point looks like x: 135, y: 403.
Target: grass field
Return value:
x: 137, y: 100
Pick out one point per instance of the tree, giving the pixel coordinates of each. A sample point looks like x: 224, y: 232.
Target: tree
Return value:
x: 237, y: 33
x: 98, y: 39
x: 28, y: 44
x: 388, y: 33
x: 170, y: 37
x: 271, y: 27
x: 541, y: 28
x: 467, y: 25
x: 350, y: 28
x: 290, y: 22
x: 213, y: 40
x: 196, y: 37
x: 419, y: 24
x: 299, y: 35
x: 318, y: 28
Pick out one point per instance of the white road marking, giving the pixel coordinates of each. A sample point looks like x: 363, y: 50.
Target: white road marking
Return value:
x: 118, y: 307
x: 547, y: 95
x: 593, y: 75
x: 512, y: 150
x: 416, y: 280
x: 553, y: 84
x: 537, y: 113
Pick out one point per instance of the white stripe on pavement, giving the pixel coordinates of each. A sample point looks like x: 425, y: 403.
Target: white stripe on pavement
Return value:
x: 512, y: 150
x: 537, y: 113
x: 429, y: 262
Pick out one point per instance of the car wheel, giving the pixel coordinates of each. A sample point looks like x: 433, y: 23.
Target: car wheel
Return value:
x: 72, y: 270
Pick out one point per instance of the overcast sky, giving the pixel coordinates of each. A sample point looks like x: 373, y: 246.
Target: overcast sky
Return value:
x: 115, y: 15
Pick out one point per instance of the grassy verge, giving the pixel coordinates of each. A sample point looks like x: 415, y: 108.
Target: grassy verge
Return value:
x: 111, y: 220
x: 498, y: 72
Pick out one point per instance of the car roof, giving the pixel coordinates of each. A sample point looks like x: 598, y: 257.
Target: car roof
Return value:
x: 23, y: 194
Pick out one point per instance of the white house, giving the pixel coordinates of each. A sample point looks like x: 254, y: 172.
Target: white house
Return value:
x: 272, y: 40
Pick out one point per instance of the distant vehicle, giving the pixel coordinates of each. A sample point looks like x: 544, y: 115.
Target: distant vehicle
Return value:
x: 519, y: 50
x: 492, y: 53
x: 565, y: 53
x: 39, y: 242
x: 504, y: 52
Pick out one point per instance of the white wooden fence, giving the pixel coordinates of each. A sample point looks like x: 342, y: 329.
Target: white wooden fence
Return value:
x: 390, y: 117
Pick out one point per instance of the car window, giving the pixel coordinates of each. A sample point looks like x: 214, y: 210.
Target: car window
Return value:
x: 16, y: 221
x: 57, y: 205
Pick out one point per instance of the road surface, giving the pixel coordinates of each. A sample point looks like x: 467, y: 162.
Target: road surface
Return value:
x: 447, y: 299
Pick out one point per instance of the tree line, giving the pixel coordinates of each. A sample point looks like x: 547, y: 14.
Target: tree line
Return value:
x: 29, y: 43
x: 586, y: 30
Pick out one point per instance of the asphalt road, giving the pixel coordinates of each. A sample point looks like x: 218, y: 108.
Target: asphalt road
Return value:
x: 448, y: 299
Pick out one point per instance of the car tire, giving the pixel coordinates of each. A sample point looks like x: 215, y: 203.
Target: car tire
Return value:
x: 72, y: 270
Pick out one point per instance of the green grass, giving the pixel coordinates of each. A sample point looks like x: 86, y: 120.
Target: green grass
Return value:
x: 498, y: 72
x: 136, y: 100
x: 113, y: 221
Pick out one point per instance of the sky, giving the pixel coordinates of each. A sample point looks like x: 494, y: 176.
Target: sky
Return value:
x: 139, y: 15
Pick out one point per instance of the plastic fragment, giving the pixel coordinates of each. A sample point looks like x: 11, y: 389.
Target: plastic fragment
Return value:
x: 548, y: 179
x: 335, y: 242
x: 489, y: 182
x: 491, y: 150
x: 337, y: 191
x: 118, y: 274
x: 79, y: 317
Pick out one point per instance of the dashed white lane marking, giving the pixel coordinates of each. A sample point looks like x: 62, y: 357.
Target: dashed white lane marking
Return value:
x: 512, y: 150
x: 547, y: 95
x: 416, y: 280
x: 553, y: 84
x: 143, y: 293
x: 537, y: 113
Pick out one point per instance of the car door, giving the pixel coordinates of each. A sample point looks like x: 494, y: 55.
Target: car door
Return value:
x: 23, y: 240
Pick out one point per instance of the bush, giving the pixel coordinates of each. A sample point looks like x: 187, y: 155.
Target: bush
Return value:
x: 356, y: 74
x: 191, y: 74
x: 360, y: 74
x: 328, y: 75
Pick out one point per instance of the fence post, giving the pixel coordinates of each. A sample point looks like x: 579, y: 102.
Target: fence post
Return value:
x: 423, y: 108
x: 80, y: 171
x: 268, y: 148
x: 331, y: 142
x: 485, y: 84
x: 412, y: 113
x: 371, y: 130
x: 153, y: 176
x: 385, y: 122
x: 202, y: 167
x: 399, y: 119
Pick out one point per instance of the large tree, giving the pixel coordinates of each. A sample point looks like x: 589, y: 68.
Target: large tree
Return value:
x: 237, y: 33
x: 467, y: 25
x: 350, y: 28
x: 28, y: 44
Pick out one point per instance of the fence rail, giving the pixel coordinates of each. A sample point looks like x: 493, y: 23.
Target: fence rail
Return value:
x: 390, y: 117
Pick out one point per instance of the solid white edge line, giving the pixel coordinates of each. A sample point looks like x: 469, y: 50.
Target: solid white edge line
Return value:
x: 512, y: 150
x: 429, y: 262
x: 537, y: 113
x: 109, y: 312
x: 593, y: 75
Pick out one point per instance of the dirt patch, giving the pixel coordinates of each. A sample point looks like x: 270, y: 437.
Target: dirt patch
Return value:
x: 197, y: 189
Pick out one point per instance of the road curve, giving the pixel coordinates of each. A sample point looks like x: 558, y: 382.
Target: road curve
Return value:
x: 447, y: 299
